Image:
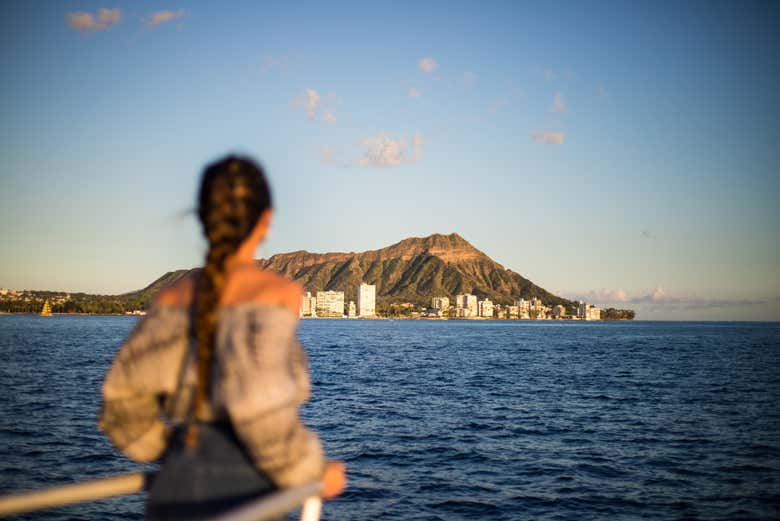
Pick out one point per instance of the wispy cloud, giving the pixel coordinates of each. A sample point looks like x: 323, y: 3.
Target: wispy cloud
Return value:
x: 99, y: 21
x: 549, y: 138
x: 311, y: 103
x: 604, y: 295
x: 549, y: 74
x: 558, y: 104
x: 161, y: 17
x: 317, y: 106
x: 383, y: 150
x: 468, y: 79
x: 427, y: 64
x: 496, y: 106
x: 330, y: 158
x: 657, y: 295
x: 660, y: 298
x: 413, y: 93
x: 647, y: 234
x: 269, y: 61
x: 326, y: 156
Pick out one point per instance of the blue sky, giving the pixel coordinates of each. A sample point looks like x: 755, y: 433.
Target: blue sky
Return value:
x: 624, y: 153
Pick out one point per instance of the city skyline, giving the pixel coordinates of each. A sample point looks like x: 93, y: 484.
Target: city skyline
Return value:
x: 622, y: 157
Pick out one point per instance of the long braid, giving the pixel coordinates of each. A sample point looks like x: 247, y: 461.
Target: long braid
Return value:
x: 233, y: 195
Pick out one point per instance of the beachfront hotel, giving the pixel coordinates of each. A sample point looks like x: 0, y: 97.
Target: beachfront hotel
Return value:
x: 330, y: 304
x: 366, y: 300
x: 485, y: 308
x: 440, y: 303
x: 588, y: 312
x: 308, y: 305
x: 466, y: 306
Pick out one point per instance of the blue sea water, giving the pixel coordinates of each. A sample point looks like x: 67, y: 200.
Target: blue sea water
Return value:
x: 459, y: 420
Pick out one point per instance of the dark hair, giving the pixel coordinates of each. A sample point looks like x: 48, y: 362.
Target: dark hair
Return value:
x: 233, y: 195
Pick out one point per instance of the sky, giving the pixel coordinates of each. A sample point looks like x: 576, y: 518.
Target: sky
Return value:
x: 624, y: 153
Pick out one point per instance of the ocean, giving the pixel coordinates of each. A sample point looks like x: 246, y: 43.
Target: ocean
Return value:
x: 450, y: 420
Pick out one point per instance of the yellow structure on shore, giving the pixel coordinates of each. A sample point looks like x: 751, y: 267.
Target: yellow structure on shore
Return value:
x: 46, y: 311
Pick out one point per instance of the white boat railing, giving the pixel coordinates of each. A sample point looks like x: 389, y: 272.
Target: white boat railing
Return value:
x: 265, y: 507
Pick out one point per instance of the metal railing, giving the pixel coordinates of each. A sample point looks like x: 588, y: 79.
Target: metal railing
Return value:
x: 265, y: 507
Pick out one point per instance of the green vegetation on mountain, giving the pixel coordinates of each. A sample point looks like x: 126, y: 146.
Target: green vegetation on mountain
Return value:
x: 413, y: 270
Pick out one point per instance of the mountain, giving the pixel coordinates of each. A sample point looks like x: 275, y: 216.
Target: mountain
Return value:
x: 413, y: 270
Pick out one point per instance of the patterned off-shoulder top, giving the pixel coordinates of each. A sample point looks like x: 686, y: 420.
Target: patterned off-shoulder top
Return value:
x: 259, y: 379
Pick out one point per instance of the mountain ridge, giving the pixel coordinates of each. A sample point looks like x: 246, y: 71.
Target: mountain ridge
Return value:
x: 414, y: 269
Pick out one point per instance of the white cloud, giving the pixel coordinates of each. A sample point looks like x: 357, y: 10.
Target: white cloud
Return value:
x: 382, y: 150
x: 330, y: 158
x: 326, y: 156
x: 100, y: 21
x: 659, y: 297
x: 311, y: 103
x: 607, y: 295
x: 160, y: 17
x: 427, y: 64
x: 414, y: 93
x: 558, y: 104
x: 318, y: 107
x: 550, y: 138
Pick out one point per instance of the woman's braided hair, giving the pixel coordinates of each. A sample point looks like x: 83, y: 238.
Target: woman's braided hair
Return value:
x: 233, y: 195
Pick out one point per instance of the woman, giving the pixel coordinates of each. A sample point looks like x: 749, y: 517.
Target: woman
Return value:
x: 211, y: 379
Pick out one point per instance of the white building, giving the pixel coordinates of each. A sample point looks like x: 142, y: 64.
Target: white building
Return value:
x: 485, y: 308
x: 440, y: 303
x: 330, y: 303
x: 559, y: 311
x: 523, y: 308
x: 351, y: 313
x: 466, y: 305
x: 366, y: 300
x: 308, y: 305
x: 588, y: 312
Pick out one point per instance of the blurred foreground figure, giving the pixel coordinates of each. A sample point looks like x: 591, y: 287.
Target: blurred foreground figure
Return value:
x: 210, y: 380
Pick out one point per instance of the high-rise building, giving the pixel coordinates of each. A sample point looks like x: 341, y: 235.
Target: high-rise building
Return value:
x: 351, y: 310
x: 330, y: 303
x: 366, y: 300
x: 485, y: 308
x: 466, y: 305
x: 440, y: 303
x: 588, y: 312
x: 523, y: 308
x: 308, y: 305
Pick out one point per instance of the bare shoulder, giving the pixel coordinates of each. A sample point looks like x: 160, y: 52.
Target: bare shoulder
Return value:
x: 263, y: 286
x: 179, y: 292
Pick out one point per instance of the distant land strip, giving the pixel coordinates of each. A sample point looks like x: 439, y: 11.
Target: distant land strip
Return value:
x: 407, y: 274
